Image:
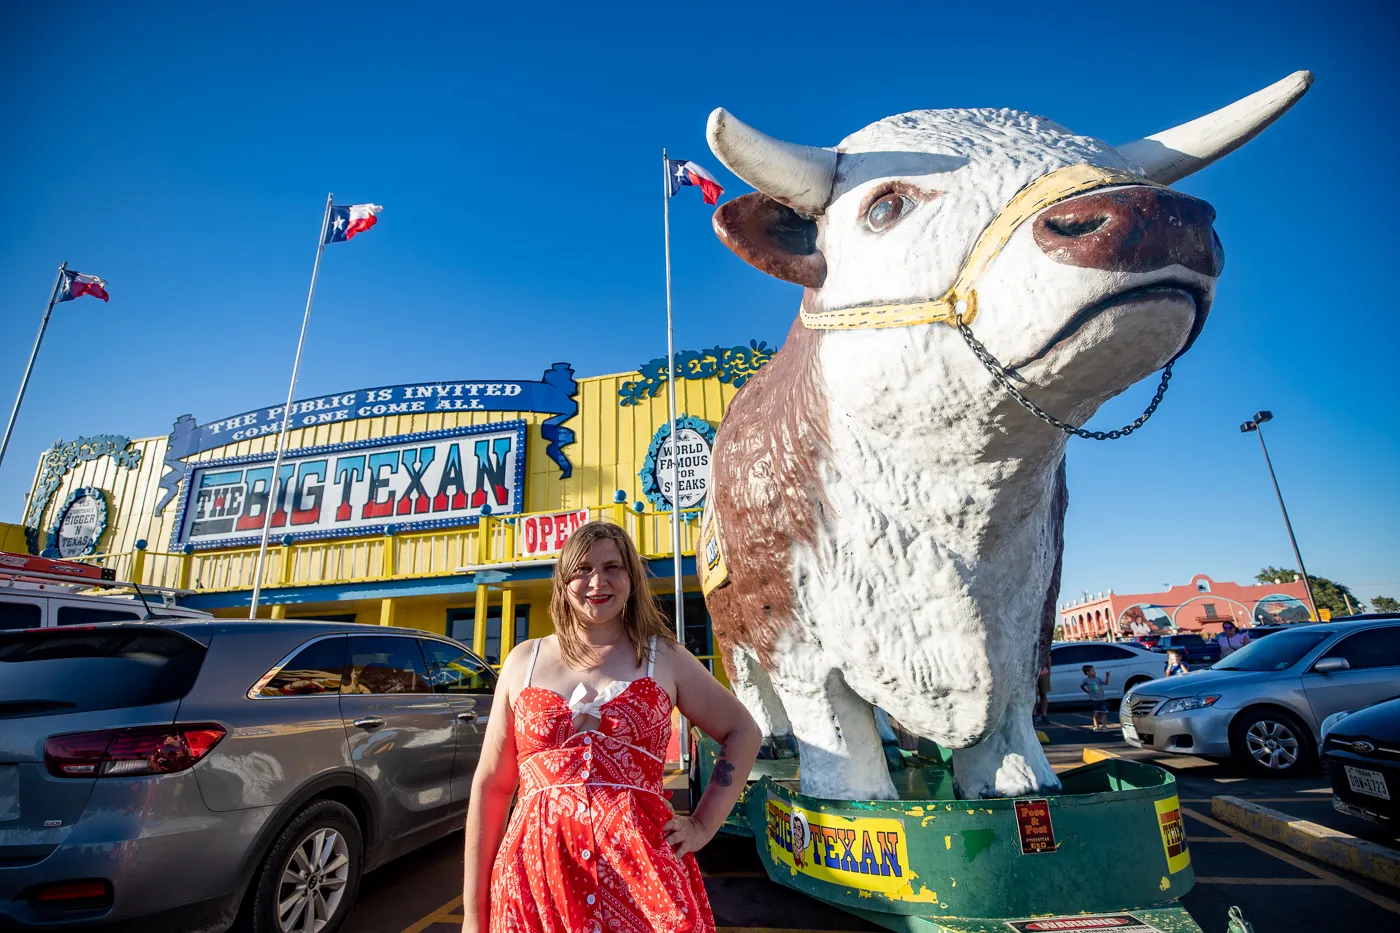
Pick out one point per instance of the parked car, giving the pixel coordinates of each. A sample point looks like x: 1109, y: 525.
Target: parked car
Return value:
x: 1127, y: 664
x: 1264, y: 704
x: 1149, y: 640
x: 1256, y: 632
x: 264, y: 765
x: 1195, y: 650
x: 40, y: 605
x: 1361, y: 752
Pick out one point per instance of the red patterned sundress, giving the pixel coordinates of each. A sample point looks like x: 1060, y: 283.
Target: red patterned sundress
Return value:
x: 584, y: 851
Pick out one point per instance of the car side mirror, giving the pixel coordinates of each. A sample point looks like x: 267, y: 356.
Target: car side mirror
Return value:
x: 1331, y: 665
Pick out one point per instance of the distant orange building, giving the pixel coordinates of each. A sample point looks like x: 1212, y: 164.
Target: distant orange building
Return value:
x: 1202, y: 606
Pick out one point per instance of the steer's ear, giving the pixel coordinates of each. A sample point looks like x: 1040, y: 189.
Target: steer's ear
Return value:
x: 772, y: 238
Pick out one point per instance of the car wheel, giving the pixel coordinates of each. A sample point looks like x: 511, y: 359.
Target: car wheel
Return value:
x: 1135, y: 682
x: 308, y: 880
x: 1272, y: 743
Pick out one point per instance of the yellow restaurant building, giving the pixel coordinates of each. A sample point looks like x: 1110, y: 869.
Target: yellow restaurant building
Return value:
x: 439, y: 506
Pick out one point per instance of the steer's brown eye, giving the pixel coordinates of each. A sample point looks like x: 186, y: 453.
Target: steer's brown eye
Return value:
x: 885, y: 212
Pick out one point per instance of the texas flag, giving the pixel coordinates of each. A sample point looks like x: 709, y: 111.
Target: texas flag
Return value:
x: 688, y: 173
x: 348, y: 220
x: 76, y: 285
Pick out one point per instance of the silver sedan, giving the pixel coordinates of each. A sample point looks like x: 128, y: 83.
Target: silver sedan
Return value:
x: 1263, y: 705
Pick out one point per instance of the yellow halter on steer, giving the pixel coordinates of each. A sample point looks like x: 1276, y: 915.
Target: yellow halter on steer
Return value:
x: 959, y: 305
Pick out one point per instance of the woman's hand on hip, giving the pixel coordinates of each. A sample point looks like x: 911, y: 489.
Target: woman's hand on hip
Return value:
x: 686, y: 834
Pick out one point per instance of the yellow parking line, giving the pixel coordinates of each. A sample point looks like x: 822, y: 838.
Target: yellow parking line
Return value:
x: 1281, y: 881
x: 1329, y: 877
x: 441, y: 915
x: 1255, y: 799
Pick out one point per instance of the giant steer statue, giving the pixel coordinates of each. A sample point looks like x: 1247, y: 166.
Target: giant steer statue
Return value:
x: 885, y: 522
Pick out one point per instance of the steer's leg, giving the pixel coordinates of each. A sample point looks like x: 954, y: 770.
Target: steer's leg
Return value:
x: 1010, y: 761
x: 754, y: 689
x: 841, y: 755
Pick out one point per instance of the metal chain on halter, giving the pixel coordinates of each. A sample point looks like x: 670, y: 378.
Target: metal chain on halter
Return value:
x: 1000, y: 374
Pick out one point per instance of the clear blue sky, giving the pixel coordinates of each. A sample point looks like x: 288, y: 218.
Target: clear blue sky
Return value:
x: 184, y: 154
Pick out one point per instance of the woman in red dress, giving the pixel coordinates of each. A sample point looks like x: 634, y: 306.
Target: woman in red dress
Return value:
x: 577, y: 737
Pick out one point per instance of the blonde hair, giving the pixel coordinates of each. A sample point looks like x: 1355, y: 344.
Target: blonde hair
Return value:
x: 642, y: 618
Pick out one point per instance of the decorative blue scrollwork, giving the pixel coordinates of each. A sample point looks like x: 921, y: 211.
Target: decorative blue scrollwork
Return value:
x: 651, y: 483
x: 733, y: 365
x: 60, y: 459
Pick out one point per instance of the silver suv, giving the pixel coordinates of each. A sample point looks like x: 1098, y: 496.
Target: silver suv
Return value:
x: 197, y: 775
x: 1264, y: 704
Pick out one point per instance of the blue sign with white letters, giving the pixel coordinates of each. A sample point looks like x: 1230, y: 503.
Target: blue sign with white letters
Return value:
x: 553, y: 394
x: 435, y: 479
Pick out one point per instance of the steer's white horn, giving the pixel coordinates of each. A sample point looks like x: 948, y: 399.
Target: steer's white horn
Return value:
x: 799, y: 176
x: 1175, y: 153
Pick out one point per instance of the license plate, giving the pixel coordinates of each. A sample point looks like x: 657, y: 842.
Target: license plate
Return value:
x: 1370, y: 783
x: 9, y: 792
x: 1129, y: 733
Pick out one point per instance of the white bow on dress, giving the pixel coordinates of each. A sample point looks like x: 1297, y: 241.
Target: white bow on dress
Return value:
x: 581, y: 707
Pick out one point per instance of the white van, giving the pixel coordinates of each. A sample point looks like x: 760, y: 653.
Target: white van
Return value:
x: 25, y: 604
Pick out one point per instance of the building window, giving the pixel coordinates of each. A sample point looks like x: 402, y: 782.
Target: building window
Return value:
x: 461, y: 625
x: 1210, y: 611
x: 1202, y: 586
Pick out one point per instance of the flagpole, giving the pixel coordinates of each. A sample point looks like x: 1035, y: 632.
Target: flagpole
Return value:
x: 24, y: 383
x: 675, y: 441
x: 273, y: 498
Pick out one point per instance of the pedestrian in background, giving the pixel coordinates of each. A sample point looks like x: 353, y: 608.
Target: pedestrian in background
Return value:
x: 1042, y: 696
x: 1230, y: 640
x: 1095, y: 689
x: 1175, y: 665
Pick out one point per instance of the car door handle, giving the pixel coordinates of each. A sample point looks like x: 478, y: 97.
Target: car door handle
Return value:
x: 467, y: 717
x: 369, y: 723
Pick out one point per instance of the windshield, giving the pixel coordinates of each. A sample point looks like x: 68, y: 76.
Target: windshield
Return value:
x: 1275, y: 653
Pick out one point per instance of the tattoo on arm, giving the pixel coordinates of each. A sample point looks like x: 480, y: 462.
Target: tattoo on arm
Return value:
x: 724, y: 771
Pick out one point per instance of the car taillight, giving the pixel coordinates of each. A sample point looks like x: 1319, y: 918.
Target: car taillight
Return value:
x: 129, y: 752
x: 73, y: 894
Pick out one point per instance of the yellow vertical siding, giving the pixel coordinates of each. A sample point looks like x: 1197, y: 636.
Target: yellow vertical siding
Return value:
x: 611, y: 442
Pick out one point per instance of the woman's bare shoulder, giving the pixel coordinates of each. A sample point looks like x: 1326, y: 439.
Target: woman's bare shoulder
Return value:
x: 512, y: 675
x: 675, y: 661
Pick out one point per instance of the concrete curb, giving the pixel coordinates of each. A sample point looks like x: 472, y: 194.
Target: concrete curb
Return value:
x: 1092, y: 755
x: 1326, y: 845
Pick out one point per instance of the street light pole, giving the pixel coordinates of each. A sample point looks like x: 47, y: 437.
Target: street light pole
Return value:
x: 1260, y: 417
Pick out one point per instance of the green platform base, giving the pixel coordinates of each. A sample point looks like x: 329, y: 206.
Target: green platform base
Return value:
x: 1111, y: 843
x: 1166, y: 919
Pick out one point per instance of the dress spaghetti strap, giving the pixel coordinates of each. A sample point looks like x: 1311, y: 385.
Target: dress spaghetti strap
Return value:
x: 651, y: 659
x: 530, y: 670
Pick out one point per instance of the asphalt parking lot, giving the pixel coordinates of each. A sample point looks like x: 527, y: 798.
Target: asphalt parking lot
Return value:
x: 1278, y: 890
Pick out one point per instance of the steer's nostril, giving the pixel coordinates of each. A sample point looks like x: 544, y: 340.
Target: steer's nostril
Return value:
x: 1134, y: 228
x: 1076, y: 226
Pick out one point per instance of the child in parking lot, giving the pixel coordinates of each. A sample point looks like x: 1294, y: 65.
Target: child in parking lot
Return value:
x: 1095, y: 689
x: 1175, y: 665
